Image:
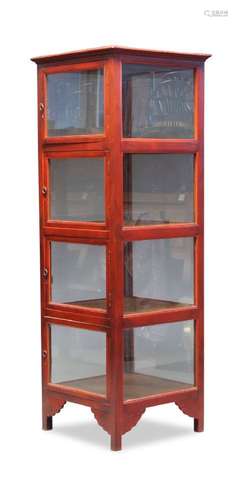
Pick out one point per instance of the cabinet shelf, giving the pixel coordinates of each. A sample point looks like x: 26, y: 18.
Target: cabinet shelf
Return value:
x: 136, y: 385
x: 131, y: 304
x: 145, y: 222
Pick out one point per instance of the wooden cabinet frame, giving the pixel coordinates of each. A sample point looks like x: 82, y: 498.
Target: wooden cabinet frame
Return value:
x: 112, y: 412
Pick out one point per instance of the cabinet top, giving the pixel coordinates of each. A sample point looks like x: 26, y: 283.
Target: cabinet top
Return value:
x: 113, y: 50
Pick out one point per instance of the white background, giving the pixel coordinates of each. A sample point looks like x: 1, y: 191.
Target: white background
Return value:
x: 162, y: 457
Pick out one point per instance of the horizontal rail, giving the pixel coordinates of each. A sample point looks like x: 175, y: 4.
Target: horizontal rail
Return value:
x: 166, y: 397
x: 147, y: 145
x: 162, y: 316
x: 77, y: 396
x: 148, y: 232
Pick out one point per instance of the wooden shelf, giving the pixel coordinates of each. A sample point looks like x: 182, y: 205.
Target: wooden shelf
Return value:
x: 145, y: 222
x: 155, y: 222
x: 136, y: 385
x: 132, y: 304
x: 141, y: 304
x: 94, y: 303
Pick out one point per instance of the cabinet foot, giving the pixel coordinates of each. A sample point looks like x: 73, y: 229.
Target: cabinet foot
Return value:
x: 198, y: 425
x: 116, y: 442
x: 51, y: 406
x: 47, y: 423
x: 193, y: 407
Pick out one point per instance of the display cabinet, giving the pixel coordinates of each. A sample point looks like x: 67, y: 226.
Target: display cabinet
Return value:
x: 121, y: 232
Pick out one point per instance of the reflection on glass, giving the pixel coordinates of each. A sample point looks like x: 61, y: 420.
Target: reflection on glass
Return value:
x: 158, y: 188
x: 78, y: 274
x: 158, y: 358
x: 77, y: 189
x: 78, y: 358
x: 158, y: 274
x: 75, y: 103
x: 157, y: 102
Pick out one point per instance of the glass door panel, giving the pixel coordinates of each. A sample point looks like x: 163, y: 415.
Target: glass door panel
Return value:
x: 78, y: 274
x: 158, y: 274
x: 158, y: 188
x: 158, y: 102
x: 158, y: 359
x: 75, y: 103
x: 77, y: 189
x: 78, y: 358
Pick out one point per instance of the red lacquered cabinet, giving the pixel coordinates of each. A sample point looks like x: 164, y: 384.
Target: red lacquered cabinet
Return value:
x: 121, y: 233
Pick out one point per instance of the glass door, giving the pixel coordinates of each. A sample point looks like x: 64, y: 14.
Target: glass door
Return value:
x: 75, y: 102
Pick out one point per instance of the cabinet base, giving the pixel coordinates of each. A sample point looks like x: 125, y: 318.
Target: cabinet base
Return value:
x: 117, y: 425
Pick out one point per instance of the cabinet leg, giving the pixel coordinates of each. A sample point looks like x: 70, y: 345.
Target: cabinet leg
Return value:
x: 198, y: 424
x: 116, y: 442
x: 47, y: 423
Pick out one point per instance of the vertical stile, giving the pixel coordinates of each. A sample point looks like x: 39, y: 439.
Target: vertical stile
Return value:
x: 46, y: 421
x: 199, y: 209
x: 113, y: 131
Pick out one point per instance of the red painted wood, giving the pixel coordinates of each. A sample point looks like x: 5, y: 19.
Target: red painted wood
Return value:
x: 199, y: 248
x: 130, y: 416
x: 139, y: 145
x: 118, y: 50
x: 157, y: 399
x: 112, y: 409
x: 77, y: 393
x: 84, y: 233
x: 86, y: 399
x: 86, y: 321
x: 160, y: 316
x: 98, y: 139
x: 160, y: 231
x: 114, y: 132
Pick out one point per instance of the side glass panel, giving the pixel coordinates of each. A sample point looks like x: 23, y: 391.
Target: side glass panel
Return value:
x: 158, y: 188
x: 77, y: 189
x: 158, y: 358
x: 75, y: 103
x: 78, y: 274
x: 158, y: 274
x: 157, y: 102
x: 78, y: 358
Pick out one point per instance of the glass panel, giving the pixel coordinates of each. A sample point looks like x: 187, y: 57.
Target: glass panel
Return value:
x: 75, y: 103
x: 158, y: 188
x: 158, y: 358
x: 77, y: 189
x: 78, y: 274
x: 158, y: 274
x: 157, y: 102
x: 78, y: 358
